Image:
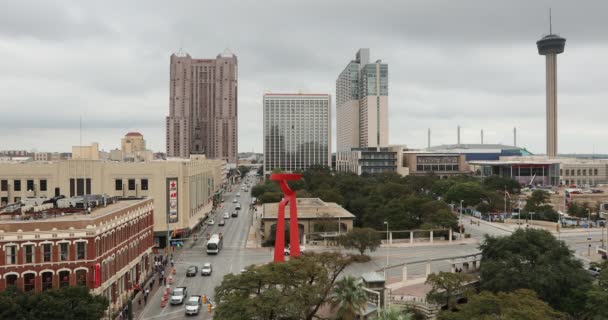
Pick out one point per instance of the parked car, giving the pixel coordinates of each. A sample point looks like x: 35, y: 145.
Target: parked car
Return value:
x: 594, y: 271
x: 192, y: 271
x: 211, y: 222
x: 193, y: 305
x: 286, y: 250
x: 178, y: 295
x: 206, y: 269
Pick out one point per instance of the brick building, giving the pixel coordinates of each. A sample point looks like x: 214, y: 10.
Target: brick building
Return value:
x: 108, y: 250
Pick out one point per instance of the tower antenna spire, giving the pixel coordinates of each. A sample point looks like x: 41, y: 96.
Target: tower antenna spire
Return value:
x: 550, y: 24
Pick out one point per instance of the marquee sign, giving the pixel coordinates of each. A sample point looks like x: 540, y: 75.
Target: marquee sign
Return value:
x: 172, y: 194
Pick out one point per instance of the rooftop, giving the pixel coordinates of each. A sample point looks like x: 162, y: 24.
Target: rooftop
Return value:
x: 470, y: 146
x: 64, y: 214
x: 134, y: 134
x: 308, y: 208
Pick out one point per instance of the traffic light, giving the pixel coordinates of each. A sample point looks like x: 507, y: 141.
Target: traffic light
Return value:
x: 204, y: 299
x: 209, y: 308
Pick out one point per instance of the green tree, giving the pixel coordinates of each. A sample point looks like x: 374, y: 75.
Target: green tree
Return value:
x: 538, y: 202
x: 270, y: 197
x: 329, y: 195
x: 295, y: 289
x: 361, y: 239
x: 498, y: 183
x: 534, y: 259
x: 470, y: 193
x: 448, y: 287
x: 521, y: 304
x: 349, y: 298
x: 394, y: 314
x: 60, y: 303
x: 596, y: 307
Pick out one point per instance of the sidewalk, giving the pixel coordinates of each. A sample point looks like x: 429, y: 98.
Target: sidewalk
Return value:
x: 253, y: 237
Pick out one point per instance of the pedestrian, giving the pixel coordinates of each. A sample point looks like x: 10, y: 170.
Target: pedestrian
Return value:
x: 139, y: 301
x: 145, y: 299
x: 162, y: 273
x: 165, y: 281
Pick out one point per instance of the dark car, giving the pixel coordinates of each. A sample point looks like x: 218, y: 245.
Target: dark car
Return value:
x: 192, y: 271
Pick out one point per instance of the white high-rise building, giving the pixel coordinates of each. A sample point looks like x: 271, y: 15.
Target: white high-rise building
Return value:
x: 297, y: 131
x: 362, y: 104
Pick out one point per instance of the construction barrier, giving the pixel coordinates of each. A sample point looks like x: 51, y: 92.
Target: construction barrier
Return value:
x: 168, y: 290
x: 163, y: 303
x: 170, y: 280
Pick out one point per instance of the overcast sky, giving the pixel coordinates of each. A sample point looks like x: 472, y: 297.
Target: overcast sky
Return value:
x: 472, y: 63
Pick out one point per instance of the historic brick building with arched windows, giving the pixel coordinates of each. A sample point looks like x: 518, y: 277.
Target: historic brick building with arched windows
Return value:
x: 108, y: 250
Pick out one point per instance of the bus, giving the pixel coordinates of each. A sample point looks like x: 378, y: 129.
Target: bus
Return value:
x: 214, y: 245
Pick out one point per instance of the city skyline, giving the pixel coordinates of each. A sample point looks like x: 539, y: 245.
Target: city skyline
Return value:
x: 474, y: 65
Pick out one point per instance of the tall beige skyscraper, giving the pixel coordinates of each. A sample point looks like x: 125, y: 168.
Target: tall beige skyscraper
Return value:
x: 203, y: 107
x: 362, y: 104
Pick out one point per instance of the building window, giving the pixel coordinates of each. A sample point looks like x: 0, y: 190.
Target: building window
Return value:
x: 584, y: 172
x: 578, y: 172
x: 43, y: 185
x: 29, y: 283
x: 64, y: 279
x: 567, y: 172
x: 17, y: 185
x: 11, y: 280
x: 81, y: 277
x: 30, y: 185
x: 47, y: 280
x: 561, y: 172
x: 118, y: 184
x: 595, y: 172
x: 29, y: 253
x: 3, y: 201
x: 11, y: 254
x: 80, y: 250
x: 46, y: 252
x: 131, y: 184
x: 3, y: 185
x: 64, y: 254
x: 144, y: 184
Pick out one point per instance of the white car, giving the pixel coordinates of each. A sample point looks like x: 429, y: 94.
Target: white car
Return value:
x: 193, y: 305
x: 206, y: 269
x: 234, y: 200
x: 211, y: 222
x: 226, y: 215
x: 178, y: 295
x: 286, y: 250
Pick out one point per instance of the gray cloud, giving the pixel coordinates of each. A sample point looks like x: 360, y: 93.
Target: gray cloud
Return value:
x: 470, y: 62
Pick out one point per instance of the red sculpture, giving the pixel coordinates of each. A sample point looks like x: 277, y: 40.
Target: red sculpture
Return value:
x: 294, y: 230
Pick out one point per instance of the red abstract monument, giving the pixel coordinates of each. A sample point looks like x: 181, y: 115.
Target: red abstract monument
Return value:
x: 294, y: 230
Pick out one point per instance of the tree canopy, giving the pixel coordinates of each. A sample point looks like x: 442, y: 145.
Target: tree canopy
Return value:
x: 448, y: 287
x: 522, y: 304
x: 295, y: 289
x: 534, y: 259
x: 361, y: 239
x: 71, y: 303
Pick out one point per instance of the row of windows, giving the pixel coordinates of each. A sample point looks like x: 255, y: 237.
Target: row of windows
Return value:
x: 111, y: 239
x: 29, y: 183
x: 45, y: 253
x: 29, y: 279
x: 131, y: 184
x: 578, y: 172
x: 436, y: 167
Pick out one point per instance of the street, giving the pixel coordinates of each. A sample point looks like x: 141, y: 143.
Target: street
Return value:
x: 232, y: 258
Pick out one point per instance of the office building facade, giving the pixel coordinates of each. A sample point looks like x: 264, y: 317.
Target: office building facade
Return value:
x: 203, y: 107
x: 362, y: 104
x: 297, y: 131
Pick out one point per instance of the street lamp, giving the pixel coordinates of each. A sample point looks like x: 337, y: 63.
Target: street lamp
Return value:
x: 387, y: 249
x: 460, y: 219
x: 589, y: 230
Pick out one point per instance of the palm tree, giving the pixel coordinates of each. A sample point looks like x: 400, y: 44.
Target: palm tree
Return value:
x: 393, y: 314
x: 349, y: 298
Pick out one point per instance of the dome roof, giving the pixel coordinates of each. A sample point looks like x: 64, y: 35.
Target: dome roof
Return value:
x: 133, y: 134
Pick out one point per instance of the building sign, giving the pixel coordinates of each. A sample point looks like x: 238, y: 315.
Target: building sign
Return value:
x: 437, y: 160
x: 172, y: 194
